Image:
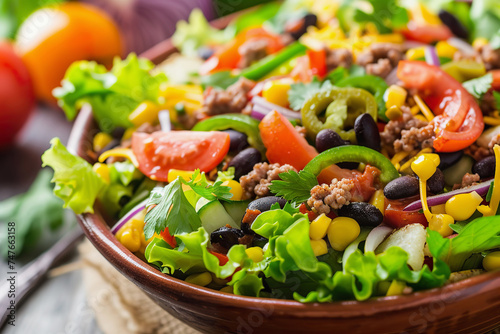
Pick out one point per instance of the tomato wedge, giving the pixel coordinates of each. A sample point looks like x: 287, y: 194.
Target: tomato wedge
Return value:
x: 286, y: 146
x: 395, y: 217
x: 159, y: 152
x: 427, y: 34
x: 459, y: 121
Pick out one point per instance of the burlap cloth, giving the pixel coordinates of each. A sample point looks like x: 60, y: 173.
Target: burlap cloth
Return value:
x: 118, y: 304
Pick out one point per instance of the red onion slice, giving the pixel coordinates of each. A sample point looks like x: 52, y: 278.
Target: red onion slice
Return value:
x: 463, y: 46
x: 260, y: 105
x: 431, y: 56
x: 481, y: 188
x: 376, y: 237
x: 128, y: 216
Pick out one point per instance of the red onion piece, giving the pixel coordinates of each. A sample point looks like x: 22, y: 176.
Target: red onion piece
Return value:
x: 376, y: 237
x: 431, y: 56
x: 481, y: 188
x: 128, y: 216
x: 260, y: 105
x: 145, y: 23
x: 463, y: 46
x: 392, y: 77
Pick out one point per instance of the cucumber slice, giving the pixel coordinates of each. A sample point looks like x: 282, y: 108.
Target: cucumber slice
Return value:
x: 213, y: 215
x: 454, y: 174
x: 236, y: 209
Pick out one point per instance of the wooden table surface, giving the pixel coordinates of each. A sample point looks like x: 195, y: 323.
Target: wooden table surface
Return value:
x: 59, y: 305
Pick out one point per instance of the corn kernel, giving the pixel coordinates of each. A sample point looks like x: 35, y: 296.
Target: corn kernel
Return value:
x: 462, y: 206
x: 441, y: 223
x: 102, y: 170
x: 342, y: 231
x: 236, y: 189
x: 395, y: 96
x: 491, y: 261
x: 396, y: 288
x: 276, y: 92
x: 201, y: 279
x: 319, y: 226
x: 174, y: 173
x: 319, y: 247
x: 393, y: 113
x: 131, y: 240
x: 227, y: 289
x: 378, y: 200
x: 101, y: 140
x: 444, y: 49
x: 146, y: 112
x: 415, y: 53
x: 255, y: 253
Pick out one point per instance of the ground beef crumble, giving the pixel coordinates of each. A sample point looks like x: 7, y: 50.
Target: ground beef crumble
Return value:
x: 232, y: 100
x: 326, y: 197
x: 381, y: 58
x: 407, y: 133
x: 251, y: 51
x: 256, y: 183
x: 468, y: 180
x: 482, y: 54
x: 479, y: 152
x: 338, y: 57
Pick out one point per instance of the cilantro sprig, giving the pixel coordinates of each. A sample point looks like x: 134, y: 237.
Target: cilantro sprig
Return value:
x: 479, y: 86
x: 386, y: 15
x: 294, y: 187
x: 211, y: 192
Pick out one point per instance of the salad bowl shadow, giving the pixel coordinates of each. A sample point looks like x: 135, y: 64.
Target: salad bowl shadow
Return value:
x: 469, y: 306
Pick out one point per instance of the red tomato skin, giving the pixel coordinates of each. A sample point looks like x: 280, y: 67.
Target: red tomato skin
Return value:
x: 159, y: 152
x: 459, y: 120
x: 17, y: 97
x: 427, y: 34
x: 395, y: 217
x: 223, y: 259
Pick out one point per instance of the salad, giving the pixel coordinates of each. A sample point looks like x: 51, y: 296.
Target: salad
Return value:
x: 312, y: 150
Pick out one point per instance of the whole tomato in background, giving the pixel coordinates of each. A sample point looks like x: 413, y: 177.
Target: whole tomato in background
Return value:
x: 52, y: 38
x: 17, y: 98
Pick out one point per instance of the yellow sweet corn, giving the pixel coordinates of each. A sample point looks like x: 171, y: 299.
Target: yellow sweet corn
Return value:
x: 462, y: 206
x: 445, y: 49
x: 396, y: 288
x: 131, y: 240
x: 415, y: 53
x: 101, y: 140
x: 395, y: 96
x: 342, y: 231
x: 319, y: 247
x: 255, y: 253
x: 276, y: 91
x: 491, y: 261
x: 236, y: 189
x: 441, y: 223
x: 146, y: 112
x: 378, y: 200
x: 102, y: 170
x: 201, y: 279
x: 393, y: 113
x: 319, y: 226
x: 183, y: 174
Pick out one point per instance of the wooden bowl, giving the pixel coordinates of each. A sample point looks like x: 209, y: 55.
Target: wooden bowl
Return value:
x: 469, y: 306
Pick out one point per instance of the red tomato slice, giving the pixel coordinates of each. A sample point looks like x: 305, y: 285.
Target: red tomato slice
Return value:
x: 427, y: 34
x: 395, y: 217
x: 286, y: 146
x: 459, y: 121
x: 159, y: 152
x: 495, y: 85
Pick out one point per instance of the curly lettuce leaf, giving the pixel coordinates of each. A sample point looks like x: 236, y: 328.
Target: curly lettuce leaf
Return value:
x: 75, y: 181
x: 479, y: 235
x: 113, y: 95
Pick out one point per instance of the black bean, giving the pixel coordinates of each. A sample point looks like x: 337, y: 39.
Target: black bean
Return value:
x: 364, y: 213
x: 259, y: 241
x: 244, y: 161
x: 367, y: 132
x: 449, y: 159
x: 485, y: 167
x: 402, y: 187
x: 297, y: 29
x: 456, y: 27
x: 205, y: 52
x: 118, y: 132
x: 226, y: 236
x: 246, y: 228
x: 327, y: 139
x: 435, y: 184
x: 264, y: 203
x: 238, y: 141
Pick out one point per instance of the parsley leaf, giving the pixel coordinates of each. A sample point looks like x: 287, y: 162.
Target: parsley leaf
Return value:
x: 173, y: 210
x: 386, y: 15
x: 211, y: 192
x: 294, y: 187
x: 479, y: 86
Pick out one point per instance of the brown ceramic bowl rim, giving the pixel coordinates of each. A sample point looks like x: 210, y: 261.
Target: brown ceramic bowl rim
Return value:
x: 151, y: 279
x: 144, y: 275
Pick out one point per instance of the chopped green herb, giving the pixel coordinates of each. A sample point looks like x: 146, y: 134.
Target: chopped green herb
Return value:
x: 479, y: 86
x: 294, y: 187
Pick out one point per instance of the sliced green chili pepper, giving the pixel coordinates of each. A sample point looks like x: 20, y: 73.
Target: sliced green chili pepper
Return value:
x: 353, y: 153
x: 373, y: 84
x: 464, y: 70
x: 342, y: 106
x: 238, y: 122
x: 266, y: 65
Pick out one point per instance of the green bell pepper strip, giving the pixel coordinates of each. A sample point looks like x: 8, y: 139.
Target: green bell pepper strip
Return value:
x: 266, y: 65
x: 342, y: 106
x: 353, y: 153
x: 238, y: 122
x: 373, y: 84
